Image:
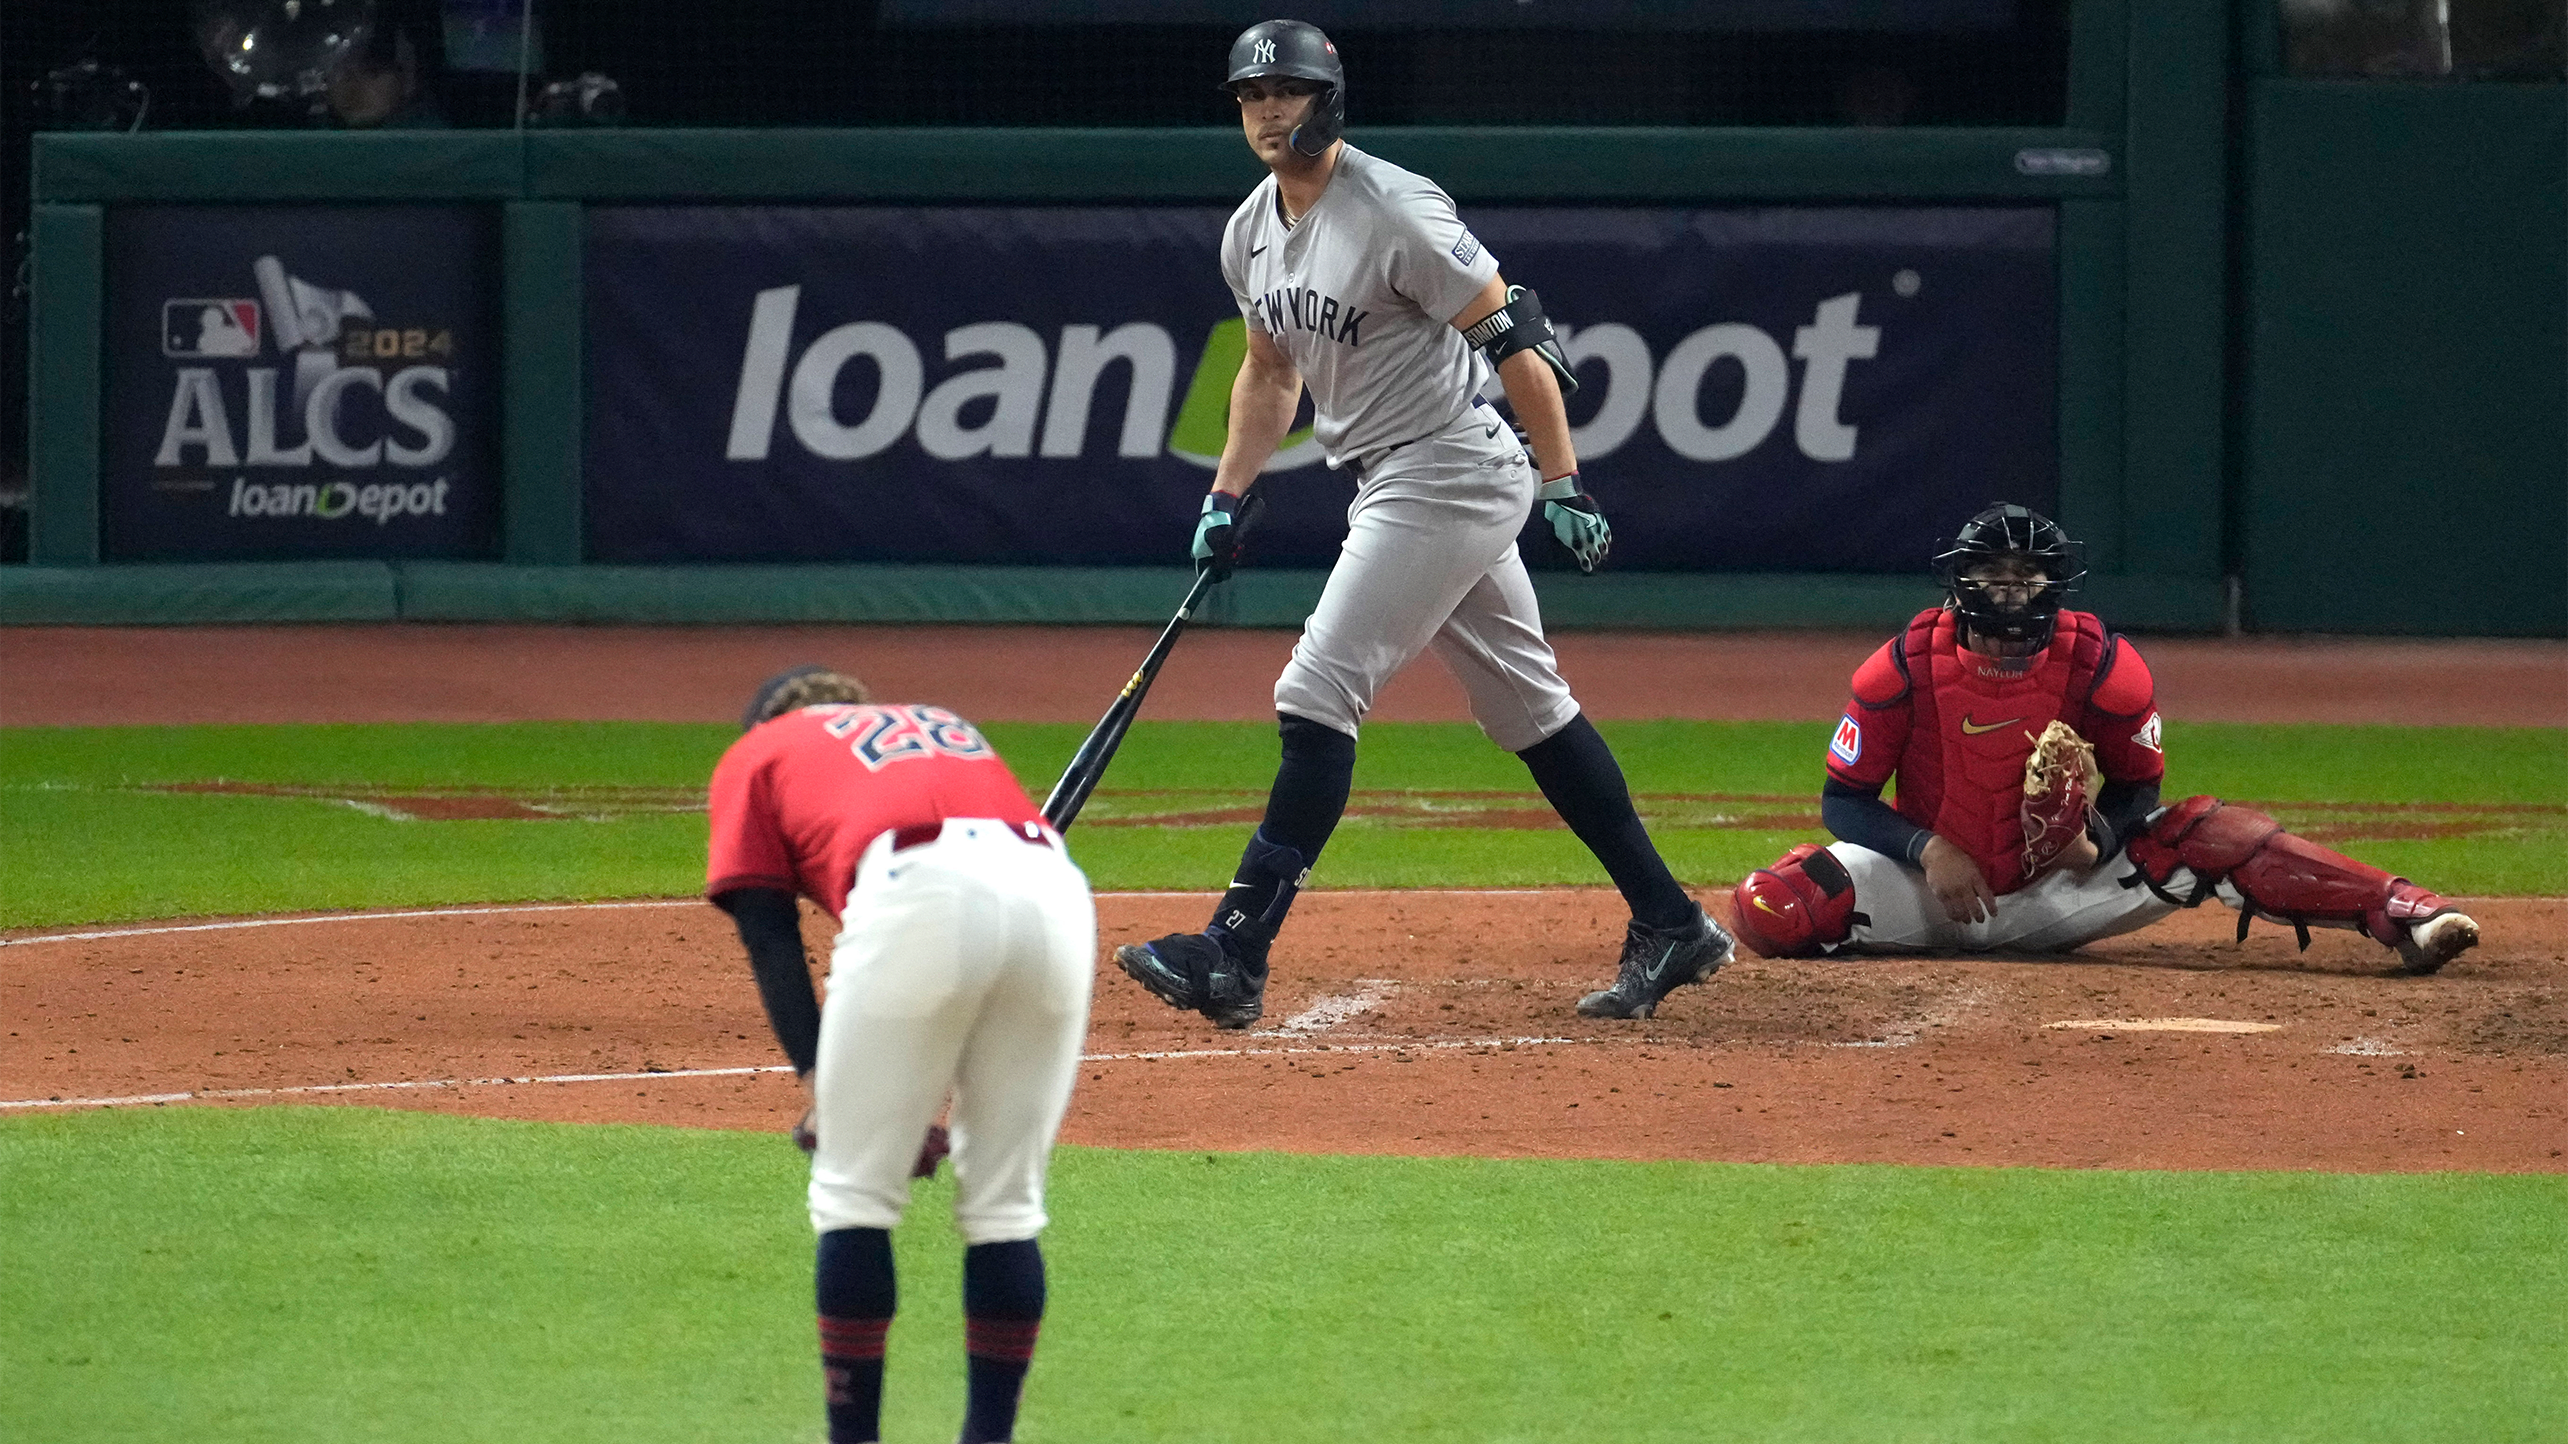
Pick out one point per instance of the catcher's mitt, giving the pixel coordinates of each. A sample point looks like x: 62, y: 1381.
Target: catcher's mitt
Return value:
x: 2060, y: 782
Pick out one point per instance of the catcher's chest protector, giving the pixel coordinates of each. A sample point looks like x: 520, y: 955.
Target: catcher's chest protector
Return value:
x: 1974, y: 730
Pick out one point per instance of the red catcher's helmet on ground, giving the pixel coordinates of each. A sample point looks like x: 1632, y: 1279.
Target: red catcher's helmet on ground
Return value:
x: 1299, y: 51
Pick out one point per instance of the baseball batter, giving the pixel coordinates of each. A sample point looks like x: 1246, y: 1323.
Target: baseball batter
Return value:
x: 965, y: 950
x: 1953, y: 709
x: 1359, y: 281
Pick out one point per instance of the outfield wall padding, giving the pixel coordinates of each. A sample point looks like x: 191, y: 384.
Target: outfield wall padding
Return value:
x: 183, y: 594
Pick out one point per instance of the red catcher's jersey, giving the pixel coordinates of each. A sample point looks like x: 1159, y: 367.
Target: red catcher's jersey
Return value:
x: 1956, y: 730
x: 796, y: 801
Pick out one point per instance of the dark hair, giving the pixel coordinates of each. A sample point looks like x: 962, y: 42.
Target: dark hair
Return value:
x: 795, y: 688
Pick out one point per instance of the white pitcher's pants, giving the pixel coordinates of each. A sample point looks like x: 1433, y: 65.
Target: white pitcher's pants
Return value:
x: 963, y: 965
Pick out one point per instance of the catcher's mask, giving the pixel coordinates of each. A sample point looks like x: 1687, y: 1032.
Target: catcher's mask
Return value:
x: 798, y: 687
x: 2020, y: 624
x: 1292, y: 48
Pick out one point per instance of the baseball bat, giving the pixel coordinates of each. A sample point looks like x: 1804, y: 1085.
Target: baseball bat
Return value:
x: 1089, y: 763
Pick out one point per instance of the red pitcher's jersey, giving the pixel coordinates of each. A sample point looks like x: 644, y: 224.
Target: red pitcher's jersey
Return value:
x: 797, y: 800
x: 1956, y: 730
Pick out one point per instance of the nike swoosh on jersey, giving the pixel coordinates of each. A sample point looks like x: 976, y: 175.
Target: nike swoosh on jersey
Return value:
x: 1490, y: 430
x: 1256, y: 251
x: 1975, y: 729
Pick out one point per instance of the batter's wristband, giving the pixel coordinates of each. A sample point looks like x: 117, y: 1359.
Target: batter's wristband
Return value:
x: 1220, y: 501
x: 1561, y: 488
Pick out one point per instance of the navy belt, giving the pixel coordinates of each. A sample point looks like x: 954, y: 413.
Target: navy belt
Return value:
x: 1362, y: 467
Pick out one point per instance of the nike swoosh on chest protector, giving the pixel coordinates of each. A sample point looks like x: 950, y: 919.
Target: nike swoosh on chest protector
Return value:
x: 1975, y: 729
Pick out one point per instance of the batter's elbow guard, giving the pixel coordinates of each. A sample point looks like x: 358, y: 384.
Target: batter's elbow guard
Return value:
x: 1799, y: 908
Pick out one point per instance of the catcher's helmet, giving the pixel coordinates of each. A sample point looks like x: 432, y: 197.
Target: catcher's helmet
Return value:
x: 2008, y: 530
x: 1292, y: 48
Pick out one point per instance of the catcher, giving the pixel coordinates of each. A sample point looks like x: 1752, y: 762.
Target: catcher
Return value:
x: 2026, y: 743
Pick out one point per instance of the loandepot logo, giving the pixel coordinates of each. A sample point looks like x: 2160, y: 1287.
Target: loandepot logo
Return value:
x: 1016, y: 389
x: 1039, y: 397
x: 243, y: 416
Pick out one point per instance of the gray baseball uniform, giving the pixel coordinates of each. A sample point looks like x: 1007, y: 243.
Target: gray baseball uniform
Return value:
x: 1361, y: 293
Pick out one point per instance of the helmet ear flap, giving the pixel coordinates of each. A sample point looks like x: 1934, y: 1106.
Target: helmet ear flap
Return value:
x: 1314, y: 136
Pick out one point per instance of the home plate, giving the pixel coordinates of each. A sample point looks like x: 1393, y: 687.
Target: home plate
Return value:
x: 2165, y: 1025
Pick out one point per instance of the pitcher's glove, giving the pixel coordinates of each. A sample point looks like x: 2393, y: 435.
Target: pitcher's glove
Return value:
x: 2060, y: 783
x: 930, y: 1153
x: 1575, y: 522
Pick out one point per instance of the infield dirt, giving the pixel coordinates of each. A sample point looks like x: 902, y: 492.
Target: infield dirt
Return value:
x: 1432, y: 1023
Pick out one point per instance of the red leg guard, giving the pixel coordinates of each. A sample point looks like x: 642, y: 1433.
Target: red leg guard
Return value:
x: 2287, y: 878
x: 1797, y: 907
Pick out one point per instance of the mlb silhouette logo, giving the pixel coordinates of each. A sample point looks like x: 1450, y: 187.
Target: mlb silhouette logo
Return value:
x: 209, y: 326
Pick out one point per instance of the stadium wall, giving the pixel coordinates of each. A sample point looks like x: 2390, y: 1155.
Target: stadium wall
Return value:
x: 2154, y: 567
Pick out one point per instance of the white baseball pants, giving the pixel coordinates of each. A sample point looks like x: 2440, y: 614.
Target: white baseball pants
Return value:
x: 2058, y: 912
x: 1430, y: 563
x: 962, y: 965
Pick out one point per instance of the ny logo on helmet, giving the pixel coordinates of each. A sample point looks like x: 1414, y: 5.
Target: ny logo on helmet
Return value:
x: 1265, y: 52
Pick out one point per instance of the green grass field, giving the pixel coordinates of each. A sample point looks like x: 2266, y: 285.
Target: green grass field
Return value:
x: 93, y: 837
x: 358, y: 1275
x: 355, y: 1275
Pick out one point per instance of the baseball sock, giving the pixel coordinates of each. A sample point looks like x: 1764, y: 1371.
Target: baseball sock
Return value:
x: 856, y: 1295
x: 1301, y: 811
x: 1584, y: 784
x: 1002, y: 1311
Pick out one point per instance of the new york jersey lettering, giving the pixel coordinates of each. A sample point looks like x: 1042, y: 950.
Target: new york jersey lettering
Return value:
x: 1300, y: 308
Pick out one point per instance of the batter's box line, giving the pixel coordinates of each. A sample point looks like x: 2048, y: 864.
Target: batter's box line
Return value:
x: 685, y: 902
x: 219, y: 1095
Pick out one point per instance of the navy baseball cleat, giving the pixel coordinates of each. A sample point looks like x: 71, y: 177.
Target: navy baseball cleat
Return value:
x: 1656, y: 962
x: 1195, y: 971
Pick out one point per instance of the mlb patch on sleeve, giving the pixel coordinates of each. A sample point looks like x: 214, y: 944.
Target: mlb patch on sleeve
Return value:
x: 1848, y: 744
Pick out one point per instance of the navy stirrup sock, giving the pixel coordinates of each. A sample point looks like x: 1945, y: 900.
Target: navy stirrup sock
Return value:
x: 855, y: 1290
x: 1584, y: 784
x: 1302, y: 809
x: 1002, y: 1312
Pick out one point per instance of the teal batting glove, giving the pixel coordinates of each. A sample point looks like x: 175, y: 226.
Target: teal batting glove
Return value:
x: 1216, y: 538
x: 1575, y: 522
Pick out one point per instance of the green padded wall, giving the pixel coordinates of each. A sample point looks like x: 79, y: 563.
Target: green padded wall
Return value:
x: 2406, y: 463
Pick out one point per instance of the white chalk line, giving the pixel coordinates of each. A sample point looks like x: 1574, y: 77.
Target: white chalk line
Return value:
x: 466, y: 912
x: 346, y: 918
x: 208, y: 1095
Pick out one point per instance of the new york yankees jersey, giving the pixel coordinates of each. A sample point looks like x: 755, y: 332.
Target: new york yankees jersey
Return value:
x: 1361, y: 293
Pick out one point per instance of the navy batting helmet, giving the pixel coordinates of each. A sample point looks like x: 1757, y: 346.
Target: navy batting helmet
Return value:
x: 2010, y: 531
x: 1292, y: 48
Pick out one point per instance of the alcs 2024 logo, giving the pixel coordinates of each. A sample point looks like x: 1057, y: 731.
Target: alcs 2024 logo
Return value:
x: 362, y: 397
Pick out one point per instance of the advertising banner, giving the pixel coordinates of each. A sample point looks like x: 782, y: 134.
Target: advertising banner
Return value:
x: 289, y: 382
x: 1762, y: 389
